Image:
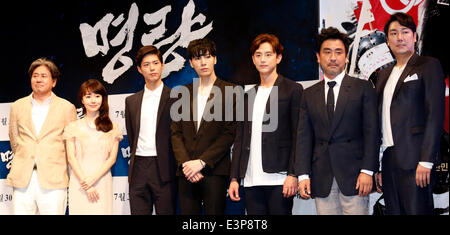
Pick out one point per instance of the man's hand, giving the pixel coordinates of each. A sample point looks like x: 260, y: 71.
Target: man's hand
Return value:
x: 379, y: 182
x: 233, y: 190
x: 191, y: 168
x: 422, y: 176
x: 305, y: 188
x: 364, y: 184
x: 290, y: 186
x: 196, y: 178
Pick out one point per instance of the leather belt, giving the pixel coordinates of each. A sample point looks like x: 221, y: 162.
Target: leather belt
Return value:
x: 146, y: 156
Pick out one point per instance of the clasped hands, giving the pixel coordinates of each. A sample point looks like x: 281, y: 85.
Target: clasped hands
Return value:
x: 87, y: 185
x: 192, y: 168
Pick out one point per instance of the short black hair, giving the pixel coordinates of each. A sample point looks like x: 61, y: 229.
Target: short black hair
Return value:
x: 51, y: 66
x: 403, y: 19
x: 332, y: 33
x: 199, y: 47
x: 147, y: 50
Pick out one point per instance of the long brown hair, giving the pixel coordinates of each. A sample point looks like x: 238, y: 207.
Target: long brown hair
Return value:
x: 102, y: 122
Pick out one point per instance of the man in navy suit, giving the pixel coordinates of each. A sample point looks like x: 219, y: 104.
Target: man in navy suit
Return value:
x: 338, y: 134
x: 411, y: 96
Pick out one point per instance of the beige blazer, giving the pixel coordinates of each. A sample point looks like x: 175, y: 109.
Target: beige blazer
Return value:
x: 47, y: 146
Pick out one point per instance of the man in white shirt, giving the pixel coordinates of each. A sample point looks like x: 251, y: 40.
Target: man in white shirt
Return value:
x: 264, y: 148
x: 411, y: 96
x: 151, y: 174
x: 38, y: 172
x: 338, y: 135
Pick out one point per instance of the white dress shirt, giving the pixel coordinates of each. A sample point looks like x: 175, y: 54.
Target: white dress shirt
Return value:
x: 255, y: 176
x: 146, y: 144
x: 336, y: 88
x: 387, y: 139
x: 202, y: 98
x: 386, y: 129
x: 39, y: 112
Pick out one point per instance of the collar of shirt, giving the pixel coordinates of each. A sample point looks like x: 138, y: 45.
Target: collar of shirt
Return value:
x: 204, y: 91
x: 155, y: 93
x: 337, y: 79
x: 45, y: 103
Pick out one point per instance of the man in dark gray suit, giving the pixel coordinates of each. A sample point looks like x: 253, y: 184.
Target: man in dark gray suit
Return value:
x: 338, y: 134
x: 411, y: 96
x: 202, y: 142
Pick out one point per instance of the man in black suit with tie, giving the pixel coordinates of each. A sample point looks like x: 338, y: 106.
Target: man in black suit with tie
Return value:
x: 411, y: 96
x: 151, y: 174
x: 202, y: 144
x: 264, y: 149
x: 338, y: 134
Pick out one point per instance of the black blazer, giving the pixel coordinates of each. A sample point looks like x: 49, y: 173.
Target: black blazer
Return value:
x: 165, y: 160
x: 417, y: 111
x: 278, y: 147
x: 212, y: 143
x: 343, y: 147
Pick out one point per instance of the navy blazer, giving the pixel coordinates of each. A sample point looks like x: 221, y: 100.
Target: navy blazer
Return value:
x: 341, y: 147
x: 417, y: 111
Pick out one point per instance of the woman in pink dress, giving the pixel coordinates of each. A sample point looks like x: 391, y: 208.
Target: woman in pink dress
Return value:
x: 92, y: 143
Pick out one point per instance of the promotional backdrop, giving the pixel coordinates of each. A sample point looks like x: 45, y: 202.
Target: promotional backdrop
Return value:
x: 99, y: 39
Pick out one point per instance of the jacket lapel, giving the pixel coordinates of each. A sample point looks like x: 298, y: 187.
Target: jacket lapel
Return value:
x: 193, y: 103
x: 49, y: 118
x: 28, y: 114
x: 384, y: 76
x: 277, y: 84
x: 203, y: 123
x: 320, y: 100
x: 137, y: 121
x: 341, y: 103
x: 408, y: 68
x: 165, y: 95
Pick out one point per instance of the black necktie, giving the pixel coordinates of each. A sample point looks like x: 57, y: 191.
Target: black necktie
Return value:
x: 330, y: 100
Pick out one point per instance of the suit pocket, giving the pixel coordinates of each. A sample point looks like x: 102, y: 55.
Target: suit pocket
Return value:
x: 417, y: 129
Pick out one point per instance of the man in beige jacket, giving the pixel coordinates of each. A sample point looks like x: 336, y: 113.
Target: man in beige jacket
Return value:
x: 38, y: 173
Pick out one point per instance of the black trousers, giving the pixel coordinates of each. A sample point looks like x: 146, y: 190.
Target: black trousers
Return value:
x: 207, y: 195
x: 146, y: 189
x: 402, y: 196
x: 267, y: 200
